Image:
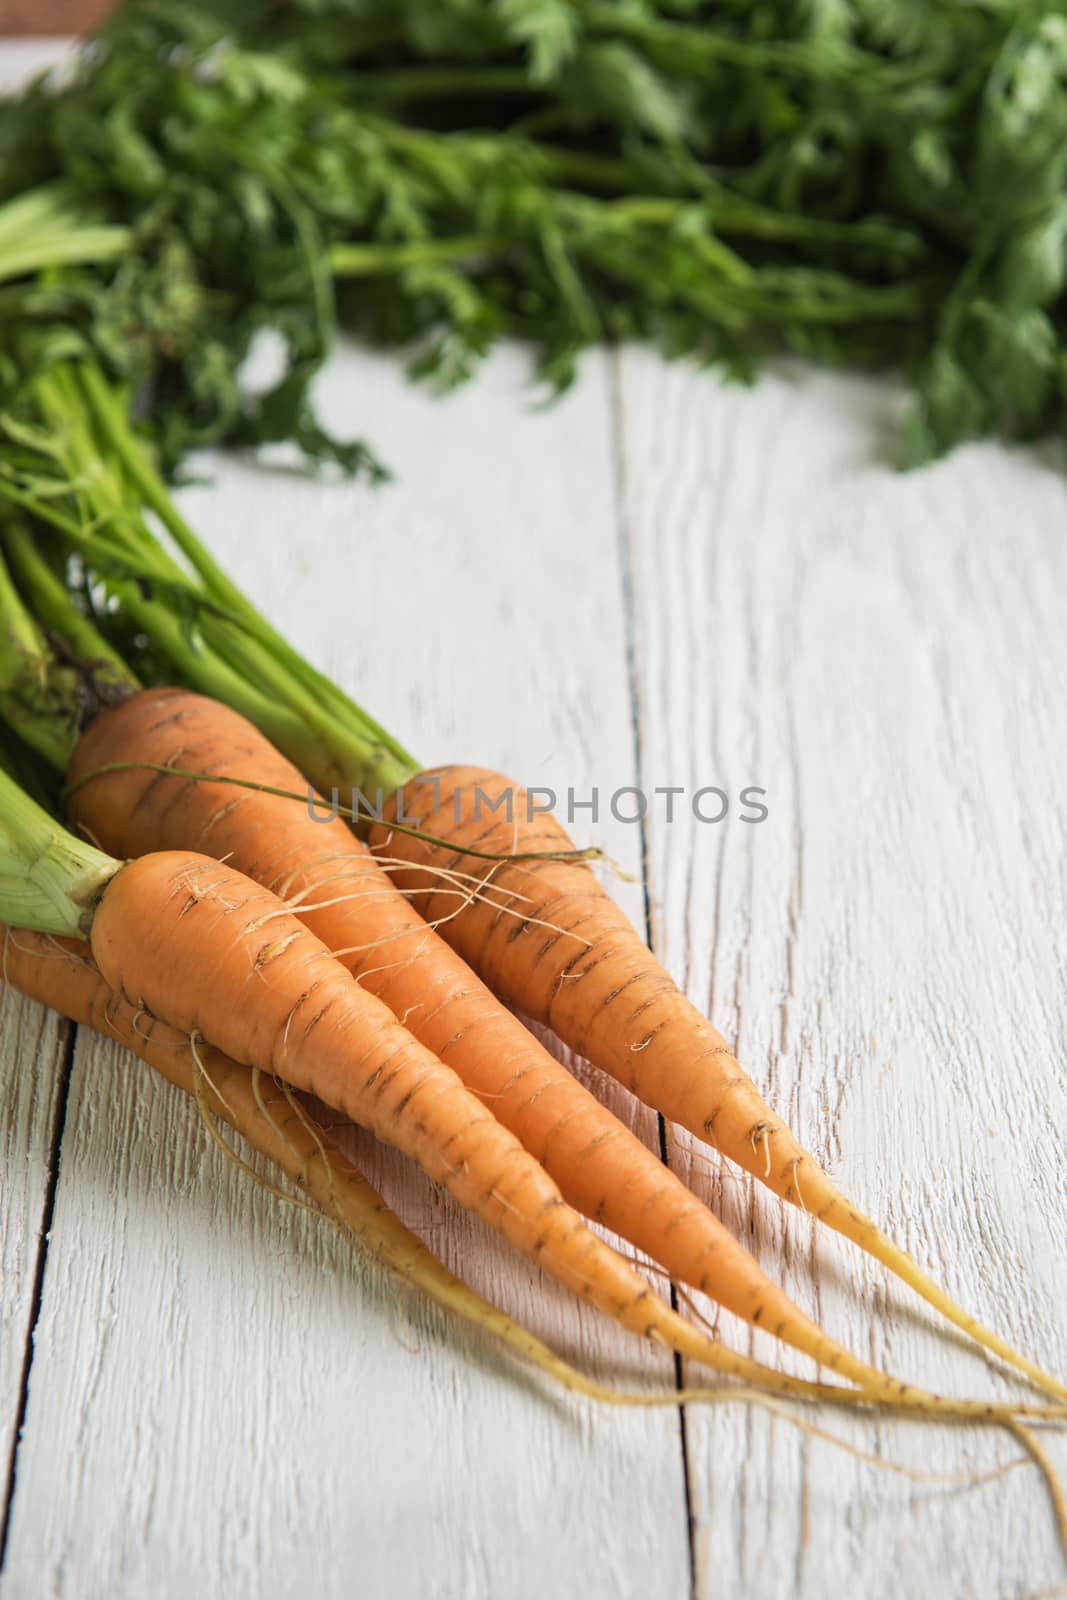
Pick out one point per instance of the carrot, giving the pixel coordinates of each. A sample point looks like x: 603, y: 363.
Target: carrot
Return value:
x: 52, y: 708
x: 623, y: 1010
x: 341, y: 892
x: 195, y: 943
x: 545, y: 935
x: 61, y: 973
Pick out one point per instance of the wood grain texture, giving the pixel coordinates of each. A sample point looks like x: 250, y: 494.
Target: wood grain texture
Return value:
x: 234, y: 1398
x: 33, y: 1052
x: 885, y: 655
x: 34, y: 1049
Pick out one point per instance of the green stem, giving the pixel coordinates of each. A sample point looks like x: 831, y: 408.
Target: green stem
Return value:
x: 201, y: 667
x: 20, y: 640
x: 54, y: 606
x: 695, y: 44
x: 34, y: 776
x: 249, y: 644
x: 211, y: 636
x: 55, y: 730
x: 43, y: 228
x: 731, y: 213
x: 621, y: 182
x: 375, y: 260
x: 207, y: 657
x: 49, y: 880
x: 726, y: 214
x: 82, y: 246
x: 36, y: 693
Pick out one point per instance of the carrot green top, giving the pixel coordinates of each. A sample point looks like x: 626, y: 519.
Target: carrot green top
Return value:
x: 45, y: 227
x: 49, y: 880
x: 79, y: 470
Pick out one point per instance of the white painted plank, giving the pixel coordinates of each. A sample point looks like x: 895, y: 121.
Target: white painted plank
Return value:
x: 32, y: 1054
x: 231, y: 1400
x: 885, y: 654
x: 21, y: 59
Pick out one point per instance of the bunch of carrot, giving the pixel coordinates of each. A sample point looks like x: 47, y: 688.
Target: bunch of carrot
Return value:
x: 164, y: 879
x: 254, y: 947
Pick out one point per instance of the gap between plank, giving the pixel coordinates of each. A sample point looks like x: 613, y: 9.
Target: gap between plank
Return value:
x: 622, y: 529
x: 59, y: 1124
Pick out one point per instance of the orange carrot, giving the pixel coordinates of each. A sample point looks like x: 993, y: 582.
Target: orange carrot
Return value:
x: 339, y: 890
x: 545, y: 936
x: 550, y: 941
x: 193, y: 942
x: 62, y: 974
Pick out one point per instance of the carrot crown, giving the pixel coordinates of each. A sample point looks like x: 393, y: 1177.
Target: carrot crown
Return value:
x: 49, y: 880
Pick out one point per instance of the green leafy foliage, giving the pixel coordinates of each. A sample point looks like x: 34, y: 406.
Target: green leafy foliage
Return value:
x: 866, y: 184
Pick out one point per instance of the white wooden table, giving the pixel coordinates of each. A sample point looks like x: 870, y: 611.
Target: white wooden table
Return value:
x: 660, y: 581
